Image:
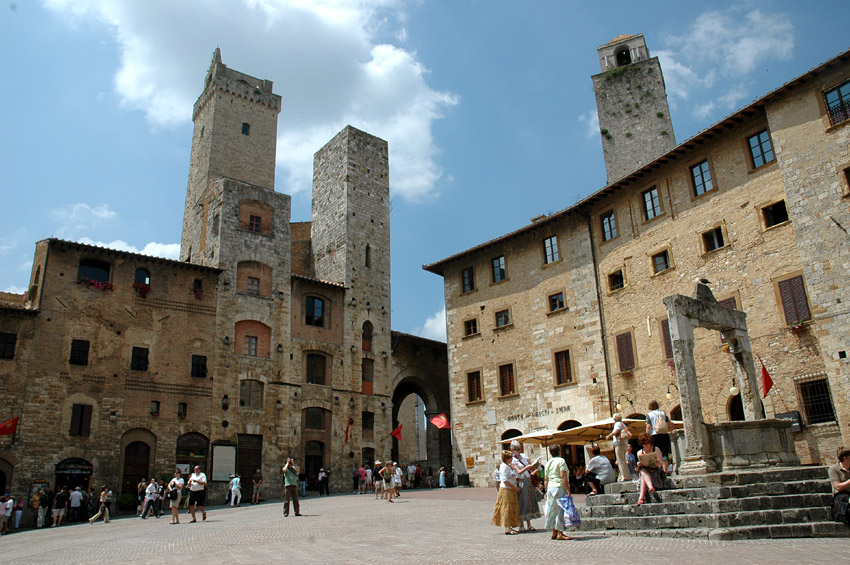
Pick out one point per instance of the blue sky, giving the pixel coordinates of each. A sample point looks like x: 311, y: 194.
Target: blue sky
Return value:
x: 487, y: 106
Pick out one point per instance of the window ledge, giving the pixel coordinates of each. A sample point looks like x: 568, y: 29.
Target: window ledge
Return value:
x: 604, y: 241
x: 503, y: 328
x: 616, y: 290
x: 707, y: 254
x: 779, y: 225
x: 468, y: 292
x: 824, y: 424
x: 257, y: 357
x: 753, y: 170
x: 558, y: 311
x: 510, y: 396
x: 547, y: 265
x: 246, y: 230
x: 707, y: 193
x: 249, y: 295
x: 504, y: 280
x: 566, y: 385
x: 833, y: 127
x: 658, y: 217
x: 664, y: 272
x: 476, y: 402
x: 470, y: 336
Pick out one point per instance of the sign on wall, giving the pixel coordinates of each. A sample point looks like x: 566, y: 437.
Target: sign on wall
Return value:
x: 223, y: 462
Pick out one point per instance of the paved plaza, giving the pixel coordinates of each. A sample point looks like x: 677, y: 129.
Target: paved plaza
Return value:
x: 425, y: 526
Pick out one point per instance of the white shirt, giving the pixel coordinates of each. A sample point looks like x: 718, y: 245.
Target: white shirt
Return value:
x: 602, y: 468
x: 150, y: 492
x: 9, y: 505
x: 622, y: 429
x: 411, y: 469
x: 368, y: 475
x: 506, y: 475
x: 176, y: 484
x: 193, y: 485
x: 522, y: 461
x: 76, y: 497
x: 235, y: 484
x: 653, y: 417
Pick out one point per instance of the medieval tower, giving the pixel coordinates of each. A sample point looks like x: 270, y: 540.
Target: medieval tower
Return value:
x: 631, y: 102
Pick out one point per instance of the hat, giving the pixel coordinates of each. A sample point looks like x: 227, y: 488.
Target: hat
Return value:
x: 378, y: 463
x: 78, y: 488
x: 230, y: 475
x: 322, y: 469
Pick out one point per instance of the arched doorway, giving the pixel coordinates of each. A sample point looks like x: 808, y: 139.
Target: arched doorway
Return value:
x: 5, y: 476
x: 136, y: 465
x: 314, y: 459
x: 192, y: 449
x: 432, y: 446
x: 735, y: 409
x: 72, y: 473
x: 510, y: 434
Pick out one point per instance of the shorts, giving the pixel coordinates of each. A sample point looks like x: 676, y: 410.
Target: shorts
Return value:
x: 388, y: 484
x: 59, y: 512
x: 175, y: 503
x: 197, y: 497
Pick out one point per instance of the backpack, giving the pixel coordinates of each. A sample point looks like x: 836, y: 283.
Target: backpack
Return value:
x: 661, y: 423
x: 840, y: 511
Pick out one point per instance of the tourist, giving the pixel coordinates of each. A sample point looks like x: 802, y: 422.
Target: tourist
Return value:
x: 398, y: 474
x: 657, y: 426
x: 75, y: 503
x: 103, y: 509
x: 302, y: 483
x: 649, y: 467
x: 43, y: 507
x: 327, y: 482
x: 557, y: 484
x: 321, y: 480
x: 631, y: 458
x: 379, y: 479
x: 411, y: 475
x: 362, y: 482
x: 528, y: 508
x: 290, y: 482
x: 175, y: 493
x: 197, y: 493
x: 140, y: 493
x: 599, y: 472
x: 387, y: 480
x: 235, y: 490
x: 160, y: 495
x: 4, y: 520
x: 579, y: 475
x: 417, y: 476
x: 368, y: 486
x: 257, y: 481
x: 60, y: 506
x: 355, y: 478
x: 17, y: 511
x: 839, y: 477
x: 150, y: 499
x: 506, y: 511
x: 620, y: 436
x: 442, y: 477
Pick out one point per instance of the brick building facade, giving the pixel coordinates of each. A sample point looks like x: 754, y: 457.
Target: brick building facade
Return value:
x: 756, y: 203
x: 266, y: 339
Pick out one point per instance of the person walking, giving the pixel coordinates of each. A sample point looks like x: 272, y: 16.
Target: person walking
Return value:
x: 175, y: 493
x: 290, y: 486
x: 442, y: 477
x: 150, y: 499
x: 387, y: 481
x: 620, y: 436
x: 235, y: 490
x: 257, y: 481
x: 557, y: 484
x: 60, y: 506
x: 43, y: 506
x: 103, y: 509
x: 506, y: 511
x: 657, y: 426
x: 197, y: 493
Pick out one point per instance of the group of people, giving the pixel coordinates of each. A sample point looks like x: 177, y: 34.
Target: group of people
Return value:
x: 153, y: 494
x: 234, y: 489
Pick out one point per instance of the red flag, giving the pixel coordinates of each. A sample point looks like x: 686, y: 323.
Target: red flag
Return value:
x: 441, y: 421
x: 347, y: 428
x: 766, y: 381
x: 396, y: 433
x: 9, y: 428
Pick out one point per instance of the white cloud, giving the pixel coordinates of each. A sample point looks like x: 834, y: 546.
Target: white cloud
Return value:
x: 15, y: 289
x: 434, y: 327
x: 79, y: 217
x: 703, y: 111
x: 323, y: 56
x: 166, y: 250
x: 590, y: 119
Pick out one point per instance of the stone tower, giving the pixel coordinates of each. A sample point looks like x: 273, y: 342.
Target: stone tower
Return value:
x: 631, y: 101
x: 351, y: 235
x: 235, y: 137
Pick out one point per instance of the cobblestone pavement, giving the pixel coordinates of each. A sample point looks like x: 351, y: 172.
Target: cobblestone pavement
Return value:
x: 426, y: 526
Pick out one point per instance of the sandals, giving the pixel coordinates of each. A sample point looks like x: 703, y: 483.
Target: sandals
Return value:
x: 562, y: 537
x: 511, y: 533
x: 192, y: 521
x: 531, y: 529
x: 640, y: 501
x: 205, y: 516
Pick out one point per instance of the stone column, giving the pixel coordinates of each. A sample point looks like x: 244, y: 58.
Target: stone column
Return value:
x: 745, y: 373
x: 698, y: 459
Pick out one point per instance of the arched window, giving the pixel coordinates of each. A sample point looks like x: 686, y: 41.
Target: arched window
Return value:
x: 512, y: 433
x: 676, y: 412
x: 314, y: 418
x: 568, y: 425
x: 251, y: 394
x: 192, y: 449
x: 367, y: 336
x: 93, y: 270
x: 314, y: 370
x: 142, y: 276
x: 623, y: 56
x: 736, y: 409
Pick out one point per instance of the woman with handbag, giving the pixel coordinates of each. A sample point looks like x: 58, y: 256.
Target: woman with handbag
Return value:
x: 557, y: 483
x: 506, y: 512
x: 650, y: 467
x: 175, y: 490
x: 620, y: 436
x: 528, y: 509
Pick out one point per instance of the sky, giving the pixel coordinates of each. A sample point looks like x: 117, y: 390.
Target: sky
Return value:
x: 487, y: 106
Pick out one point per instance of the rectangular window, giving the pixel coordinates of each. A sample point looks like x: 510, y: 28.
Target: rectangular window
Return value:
x: 651, y: 204
x: 314, y: 418
x: 367, y: 424
x: 775, y: 214
x: 315, y: 369
x: 80, y: 420
x: 815, y: 399
x: 713, y: 239
x: 609, y: 226
x: 468, y: 279
x: 563, y: 371
x: 315, y: 312
x: 250, y: 345
x: 79, y: 352
x: 503, y: 318
x: 507, y: 382
x: 616, y: 280
x: 794, y: 300
x: 661, y: 262
x: 367, y: 376
x: 473, y: 386
x: 154, y: 407
x: 199, y: 366
x: 838, y: 103
x: 7, y: 345
x: 666, y: 339
x: 625, y: 352
x: 556, y: 302
x: 470, y: 327
x: 550, y: 249
x: 701, y: 175
x: 254, y: 223
x: 761, y: 150
x: 246, y: 129
x: 139, y: 359
x: 182, y: 409
x: 251, y: 394
x: 499, y: 272
x: 253, y: 286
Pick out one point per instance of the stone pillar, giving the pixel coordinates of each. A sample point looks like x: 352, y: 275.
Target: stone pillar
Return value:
x: 698, y: 459
x: 745, y: 373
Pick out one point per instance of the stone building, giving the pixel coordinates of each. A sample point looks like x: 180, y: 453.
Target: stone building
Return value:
x: 267, y: 339
x: 756, y: 204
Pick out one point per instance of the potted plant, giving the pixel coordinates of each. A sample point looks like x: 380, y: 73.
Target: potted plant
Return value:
x: 142, y: 289
x: 797, y: 326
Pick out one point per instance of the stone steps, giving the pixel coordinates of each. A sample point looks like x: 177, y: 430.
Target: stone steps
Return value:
x: 813, y: 529
x: 644, y: 519
x: 672, y: 494
x: 761, y: 503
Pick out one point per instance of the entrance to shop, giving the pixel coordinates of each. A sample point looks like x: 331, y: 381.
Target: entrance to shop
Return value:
x: 73, y: 473
x: 249, y: 458
x: 136, y: 465
x: 314, y: 459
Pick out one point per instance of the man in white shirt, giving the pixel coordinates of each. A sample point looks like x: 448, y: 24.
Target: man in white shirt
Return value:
x: 411, y: 472
x: 599, y: 471
x: 235, y: 490
x: 197, y: 492
x: 76, y: 501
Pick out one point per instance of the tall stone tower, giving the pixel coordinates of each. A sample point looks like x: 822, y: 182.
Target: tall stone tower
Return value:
x: 235, y: 137
x: 351, y: 235
x: 631, y: 101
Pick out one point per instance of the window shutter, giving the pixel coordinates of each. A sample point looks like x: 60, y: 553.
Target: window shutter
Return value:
x: 85, y: 420
x: 794, y: 301
x: 668, y: 341
x: 729, y: 303
x: 624, y: 352
x: 75, y: 420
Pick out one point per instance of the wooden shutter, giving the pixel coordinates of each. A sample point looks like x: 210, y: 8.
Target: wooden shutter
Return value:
x: 625, y: 353
x: 668, y: 341
x: 85, y: 420
x: 794, y: 301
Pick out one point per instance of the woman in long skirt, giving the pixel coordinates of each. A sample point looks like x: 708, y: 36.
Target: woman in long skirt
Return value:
x: 528, y: 508
x: 506, y: 512
x: 557, y: 483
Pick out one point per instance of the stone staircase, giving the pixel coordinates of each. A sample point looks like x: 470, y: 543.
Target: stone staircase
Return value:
x: 759, y: 503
